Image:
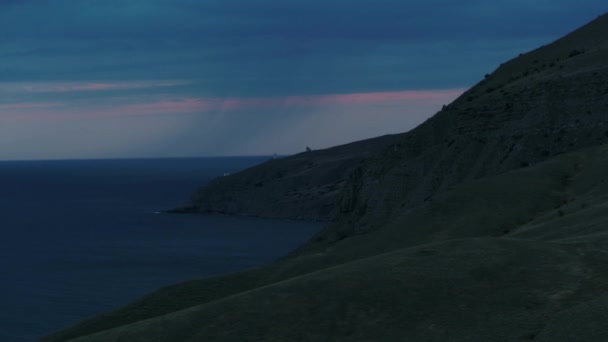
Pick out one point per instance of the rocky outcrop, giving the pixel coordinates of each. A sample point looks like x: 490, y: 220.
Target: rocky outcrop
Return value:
x: 541, y: 104
x: 304, y: 186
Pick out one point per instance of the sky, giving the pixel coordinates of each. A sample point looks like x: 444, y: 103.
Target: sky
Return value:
x: 177, y: 78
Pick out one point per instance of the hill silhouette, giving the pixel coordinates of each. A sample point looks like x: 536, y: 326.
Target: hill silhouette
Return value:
x: 485, y: 223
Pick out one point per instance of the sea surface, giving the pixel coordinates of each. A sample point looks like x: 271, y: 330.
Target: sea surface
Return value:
x: 82, y: 237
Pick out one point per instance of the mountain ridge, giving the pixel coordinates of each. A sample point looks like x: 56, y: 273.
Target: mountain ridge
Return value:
x: 303, y: 186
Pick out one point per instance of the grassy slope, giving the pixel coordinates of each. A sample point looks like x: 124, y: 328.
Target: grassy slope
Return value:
x: 483, y: 289
x: 478, y: 261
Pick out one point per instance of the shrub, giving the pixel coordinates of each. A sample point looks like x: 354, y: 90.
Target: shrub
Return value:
x: 576, y: 52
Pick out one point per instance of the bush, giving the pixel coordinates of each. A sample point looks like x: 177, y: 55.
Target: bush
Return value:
x: 576, y: 52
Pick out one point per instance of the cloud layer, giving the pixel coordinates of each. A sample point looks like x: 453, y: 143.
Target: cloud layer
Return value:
x: 189, y: 60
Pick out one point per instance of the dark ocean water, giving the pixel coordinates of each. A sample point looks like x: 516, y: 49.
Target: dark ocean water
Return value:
x: 82, y: 237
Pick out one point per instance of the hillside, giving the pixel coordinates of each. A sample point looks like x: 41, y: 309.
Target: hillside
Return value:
x: 485, y: 223
x: 303, y: 186
x: 549, y: 101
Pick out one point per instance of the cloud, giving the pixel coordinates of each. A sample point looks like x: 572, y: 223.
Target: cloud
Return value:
x: 259, y: 48
x: 71, y: 87
x: 177, y: 106
x: 209, y: 126
x: 253, y: 67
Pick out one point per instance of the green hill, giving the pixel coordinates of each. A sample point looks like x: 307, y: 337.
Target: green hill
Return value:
x: 489, y: 222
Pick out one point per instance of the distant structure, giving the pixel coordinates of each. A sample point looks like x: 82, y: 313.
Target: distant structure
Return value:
x: 308, y: 149
x: 226, y: 174
x: 274, y: 156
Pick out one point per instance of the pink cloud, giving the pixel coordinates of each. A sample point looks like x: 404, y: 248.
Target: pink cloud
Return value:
x: 191, y: 105
x: 66, y: 87
x: 388, y: 96
x: 333, y: 99
x: 27, y: 106
x: 195, y: 105
x: 169, y: 106
x: 66, y: 110
x: 230, y: 104
x: 21, y: 111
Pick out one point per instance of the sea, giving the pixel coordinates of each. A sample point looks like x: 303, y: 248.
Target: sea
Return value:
x: 80, y: 237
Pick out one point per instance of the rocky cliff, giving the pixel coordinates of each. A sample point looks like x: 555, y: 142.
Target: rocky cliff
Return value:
x: 303, y: 186
x: 541, y: 104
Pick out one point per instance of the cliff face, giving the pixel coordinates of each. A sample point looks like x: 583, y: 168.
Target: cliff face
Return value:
x: 303, y: 186
x: 487, y: 222
x: 541, y: 104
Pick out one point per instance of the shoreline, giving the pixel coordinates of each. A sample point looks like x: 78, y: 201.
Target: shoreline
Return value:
x: 187, y: 210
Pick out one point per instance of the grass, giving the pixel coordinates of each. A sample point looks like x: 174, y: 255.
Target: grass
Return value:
x: 444, y: 271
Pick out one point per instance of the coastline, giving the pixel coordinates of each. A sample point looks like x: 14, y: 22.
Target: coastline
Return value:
x: 194, y: 211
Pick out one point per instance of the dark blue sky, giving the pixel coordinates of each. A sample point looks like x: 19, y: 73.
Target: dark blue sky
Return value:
x: 146, y: 78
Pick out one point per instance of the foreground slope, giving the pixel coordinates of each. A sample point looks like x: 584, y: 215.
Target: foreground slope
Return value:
x: 485, y: 260
x: 488, y: 222
x: 460, y: 290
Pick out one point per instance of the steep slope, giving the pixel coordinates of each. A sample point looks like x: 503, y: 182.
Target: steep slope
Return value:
x: 485, y: 223
x: 457, y: 268
x: 303, y: 186
x: 541, y: 104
